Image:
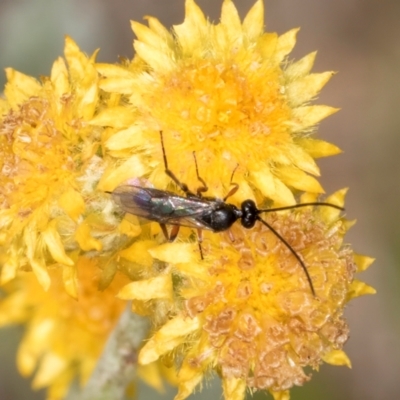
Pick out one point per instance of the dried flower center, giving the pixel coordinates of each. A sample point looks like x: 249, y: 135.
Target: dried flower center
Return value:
x: 260, y: 314
x: 34, y: 155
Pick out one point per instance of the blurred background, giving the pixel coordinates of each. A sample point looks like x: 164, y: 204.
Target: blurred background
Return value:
x: 358, y: 38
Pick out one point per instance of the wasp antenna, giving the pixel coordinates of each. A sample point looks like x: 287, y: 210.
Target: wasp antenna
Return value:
x: 301, y: 205
x: 283, y: 240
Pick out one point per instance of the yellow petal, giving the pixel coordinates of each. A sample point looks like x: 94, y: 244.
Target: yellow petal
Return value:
x: 128, y: 228
x: 285, y: 395
x: 70, y: 279
x: 38, y: 266
x: 303, y: 160
x: 189, y: 378
x: 72, y: 203
x: 42, y: 275
x: 337, y: 197
x: 75, y: 58
x: 190, y: 31
x: 167, y: 338
x: 230, y: 27
x: 272, y: 188
x: 116, y: 78
x: 116, y: 117
x: 20, y: 87
x: 266, y: 45
x: 310, y: 115
x: 108, y: 274
x: 13, y: 308
x: 318, y: 148
x: 337, y: 357
x: 157, y: 59
x: 302, y: 67
x: 234, y: 388
x: 59, y: 79
x: 156, y: 26
x: 362, y: 262
x: 33, y: 345
x: 197, y: 270
x: 150, y: 374
x: 358, y: 288
x: 54, y: 244
x: 114, y: 71
x: 147, y: 36
x: 330, y: 214
x: 309, y: 197
x: 117, y: 85
x: 130, y: 137
x: 253, y: 23
x: 169, y: 374
x: 285, y: 45
x: 138, y: 252
x: 10, y: 266
x: 298, y: 179
x: 4, y: 106
x: 85, y: 240
x: 50, y: 367
x: 305, y: 89
x: 131, y: 168
x: 159, y: 287
x: 175, y: 252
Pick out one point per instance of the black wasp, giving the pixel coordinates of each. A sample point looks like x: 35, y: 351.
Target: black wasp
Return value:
x: 198, y: 211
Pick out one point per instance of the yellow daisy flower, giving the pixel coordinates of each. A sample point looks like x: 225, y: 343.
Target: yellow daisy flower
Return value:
x: 51, y: 161
x: 227, y: 92
x: 64, y: 337
x: 247, y: 311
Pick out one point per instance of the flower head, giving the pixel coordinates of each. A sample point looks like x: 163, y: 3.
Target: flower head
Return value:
x: 64, y: 337
x: 50, y: 159
x: 248, y: 311
x: 263, y: 304
x: 227, y: 92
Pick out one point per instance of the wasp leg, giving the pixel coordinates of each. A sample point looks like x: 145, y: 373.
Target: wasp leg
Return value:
x: 181, y: 185
x: 164, y: 231
x: 174, y: 233
x: 200, y: 241
x: 235, y: 185
x: 203, y: 188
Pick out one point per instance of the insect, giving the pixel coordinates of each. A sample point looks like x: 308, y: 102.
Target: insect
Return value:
x: 198, y: 211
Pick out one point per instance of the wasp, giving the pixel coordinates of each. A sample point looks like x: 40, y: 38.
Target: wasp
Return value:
x: 198, y: 211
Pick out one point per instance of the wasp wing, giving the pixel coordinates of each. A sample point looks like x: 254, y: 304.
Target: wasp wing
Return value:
x: 162, y: 206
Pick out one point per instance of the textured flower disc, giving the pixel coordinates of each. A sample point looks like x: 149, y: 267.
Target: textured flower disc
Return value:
x: 51, y: 162
x: 248, y: 310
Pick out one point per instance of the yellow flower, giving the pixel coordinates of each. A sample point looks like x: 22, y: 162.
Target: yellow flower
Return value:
x: 64, y: 337
x: 227, y: 92
x: 51, y: 162
x: 247, y: 311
